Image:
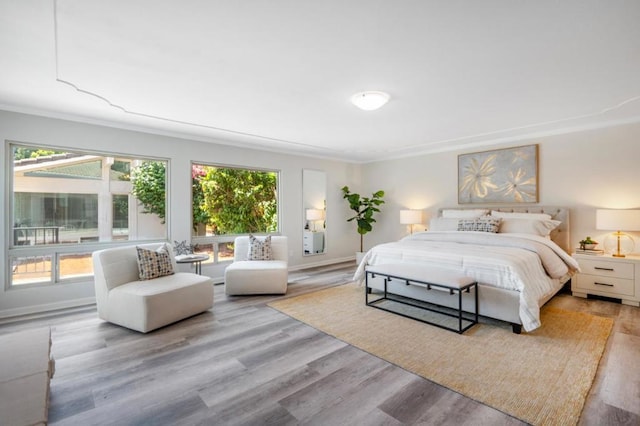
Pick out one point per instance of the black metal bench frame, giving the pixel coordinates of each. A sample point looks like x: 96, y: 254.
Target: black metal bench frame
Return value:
x: 460, y: 314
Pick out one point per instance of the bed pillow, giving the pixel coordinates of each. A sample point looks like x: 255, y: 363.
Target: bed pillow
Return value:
x: 489, y: 224
x: 154, y: 264
x: 528, y: 226
x: 464, y: 213
x: 259, y: 249
x: 519, y: 215
x: 443, y: 224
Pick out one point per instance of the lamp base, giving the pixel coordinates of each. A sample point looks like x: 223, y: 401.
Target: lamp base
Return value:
x: 618, y: 244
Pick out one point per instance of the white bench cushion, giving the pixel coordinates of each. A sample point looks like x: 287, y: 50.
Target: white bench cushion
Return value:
x: 147, y: 305
x: 256, y: 277
x: 428, y: 274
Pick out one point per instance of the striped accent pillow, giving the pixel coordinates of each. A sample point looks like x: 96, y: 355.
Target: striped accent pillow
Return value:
x: 481, y: 224
x: 154, y: 264
x: 259, y: 249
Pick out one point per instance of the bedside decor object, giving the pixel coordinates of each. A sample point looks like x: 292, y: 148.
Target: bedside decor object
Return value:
x: 588, y: 244
x: 499, y: 176
x: 411, y: 217
x: 618, y: 220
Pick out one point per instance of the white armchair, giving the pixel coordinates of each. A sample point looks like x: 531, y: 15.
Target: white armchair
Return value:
x: 145, y: 305
x: 245, y: 277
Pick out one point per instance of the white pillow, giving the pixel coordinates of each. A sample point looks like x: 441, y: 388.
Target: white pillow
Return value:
x: 528, y: 226
x: 464, y: 213
x: 443, y: 224
x: 517, y: 215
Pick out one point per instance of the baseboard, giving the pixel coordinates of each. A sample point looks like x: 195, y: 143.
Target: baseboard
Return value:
x: 44, y: 310
x: 322, y: 263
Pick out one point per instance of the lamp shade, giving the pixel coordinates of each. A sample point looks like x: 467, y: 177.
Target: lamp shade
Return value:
x: 410, y: 217
x: 370, y: 100
x: 618, y: 220
x: 313, y: 214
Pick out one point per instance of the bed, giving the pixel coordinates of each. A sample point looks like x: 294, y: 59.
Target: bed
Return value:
x: 518, y: 269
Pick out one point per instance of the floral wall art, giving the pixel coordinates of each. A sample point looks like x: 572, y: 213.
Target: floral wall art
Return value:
x: 500, y: 176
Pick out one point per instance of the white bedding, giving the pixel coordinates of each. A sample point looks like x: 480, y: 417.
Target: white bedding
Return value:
x: 526, y: 263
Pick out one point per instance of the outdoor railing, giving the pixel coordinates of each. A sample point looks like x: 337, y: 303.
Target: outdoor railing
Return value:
x: 35, y: 235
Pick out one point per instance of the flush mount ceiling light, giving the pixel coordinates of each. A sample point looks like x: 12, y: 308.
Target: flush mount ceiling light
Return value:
x: 370, y: 100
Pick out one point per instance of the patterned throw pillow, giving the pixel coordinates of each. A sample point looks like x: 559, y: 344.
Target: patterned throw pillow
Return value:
x: 259, y: 249
x: 181, y: 248
x: 154, y: 264
x: 480, y: 224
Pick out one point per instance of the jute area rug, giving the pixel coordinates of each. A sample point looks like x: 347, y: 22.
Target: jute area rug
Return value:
x: 542, y: 377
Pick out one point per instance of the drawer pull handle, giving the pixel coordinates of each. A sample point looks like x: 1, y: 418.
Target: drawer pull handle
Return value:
x: 603, y: 269
x: 608, y: 285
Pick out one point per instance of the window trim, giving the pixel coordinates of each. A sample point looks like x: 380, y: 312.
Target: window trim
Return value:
x: 215, y: 240
x: 56, y: 250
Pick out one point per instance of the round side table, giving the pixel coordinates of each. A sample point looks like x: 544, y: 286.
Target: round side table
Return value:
x: 195, y: 259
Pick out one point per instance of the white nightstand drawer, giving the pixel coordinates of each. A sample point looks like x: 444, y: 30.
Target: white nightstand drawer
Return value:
x: 607, y: 269
x: 612, y: 285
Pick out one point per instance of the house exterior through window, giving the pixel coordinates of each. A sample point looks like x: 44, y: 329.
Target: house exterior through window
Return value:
x: 67, y: 204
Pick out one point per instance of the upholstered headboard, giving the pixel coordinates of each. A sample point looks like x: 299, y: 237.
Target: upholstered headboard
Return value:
x: 560, y: 235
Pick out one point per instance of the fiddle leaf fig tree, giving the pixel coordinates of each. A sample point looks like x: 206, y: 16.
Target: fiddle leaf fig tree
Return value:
x: 364, y: 207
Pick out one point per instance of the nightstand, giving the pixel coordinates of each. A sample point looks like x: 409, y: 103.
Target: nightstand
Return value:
x: 615, y: 277
x: 313, y: 242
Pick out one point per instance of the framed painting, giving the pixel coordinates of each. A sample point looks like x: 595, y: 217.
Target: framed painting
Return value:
x: 507, y: 175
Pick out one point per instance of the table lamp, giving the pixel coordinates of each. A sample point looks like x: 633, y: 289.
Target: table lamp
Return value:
x: 619, y: 220
x: 313, y: 215
x: 411, y: 217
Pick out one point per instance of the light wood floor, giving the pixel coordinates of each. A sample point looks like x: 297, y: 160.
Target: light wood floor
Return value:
x: 245, y: 363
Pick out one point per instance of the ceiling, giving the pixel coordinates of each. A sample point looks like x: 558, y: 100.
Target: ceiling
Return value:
x: 278, y: 74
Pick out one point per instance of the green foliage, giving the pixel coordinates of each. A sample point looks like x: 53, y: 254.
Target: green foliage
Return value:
x: 200, y: 214
x: 123, y: 168
x: 231, y: 201
x: 364, y: 207
x: 149, y: 187
x: 20, y: 153
x: 240, y: 201
x: 588, y: 240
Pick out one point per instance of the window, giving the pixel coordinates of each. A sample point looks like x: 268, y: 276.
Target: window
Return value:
x: 231, y: 201
x: 65, y: 204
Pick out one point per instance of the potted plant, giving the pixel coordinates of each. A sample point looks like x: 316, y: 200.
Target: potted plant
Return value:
x: 588, y: 244
x: 364, y: 207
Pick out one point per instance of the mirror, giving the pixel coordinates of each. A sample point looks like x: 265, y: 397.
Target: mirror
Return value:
x: 314, y: 211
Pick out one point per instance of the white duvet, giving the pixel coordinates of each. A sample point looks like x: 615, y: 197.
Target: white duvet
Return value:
x: 526, y: 263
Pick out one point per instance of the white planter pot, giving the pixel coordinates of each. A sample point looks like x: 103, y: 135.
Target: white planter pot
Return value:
x: 359, y: 256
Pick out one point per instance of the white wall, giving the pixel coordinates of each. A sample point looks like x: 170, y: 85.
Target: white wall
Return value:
x: 583, y: 171
x: 342, y: 239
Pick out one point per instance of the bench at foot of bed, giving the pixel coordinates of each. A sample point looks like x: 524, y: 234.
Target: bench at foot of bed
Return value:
x: 429, y: 279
